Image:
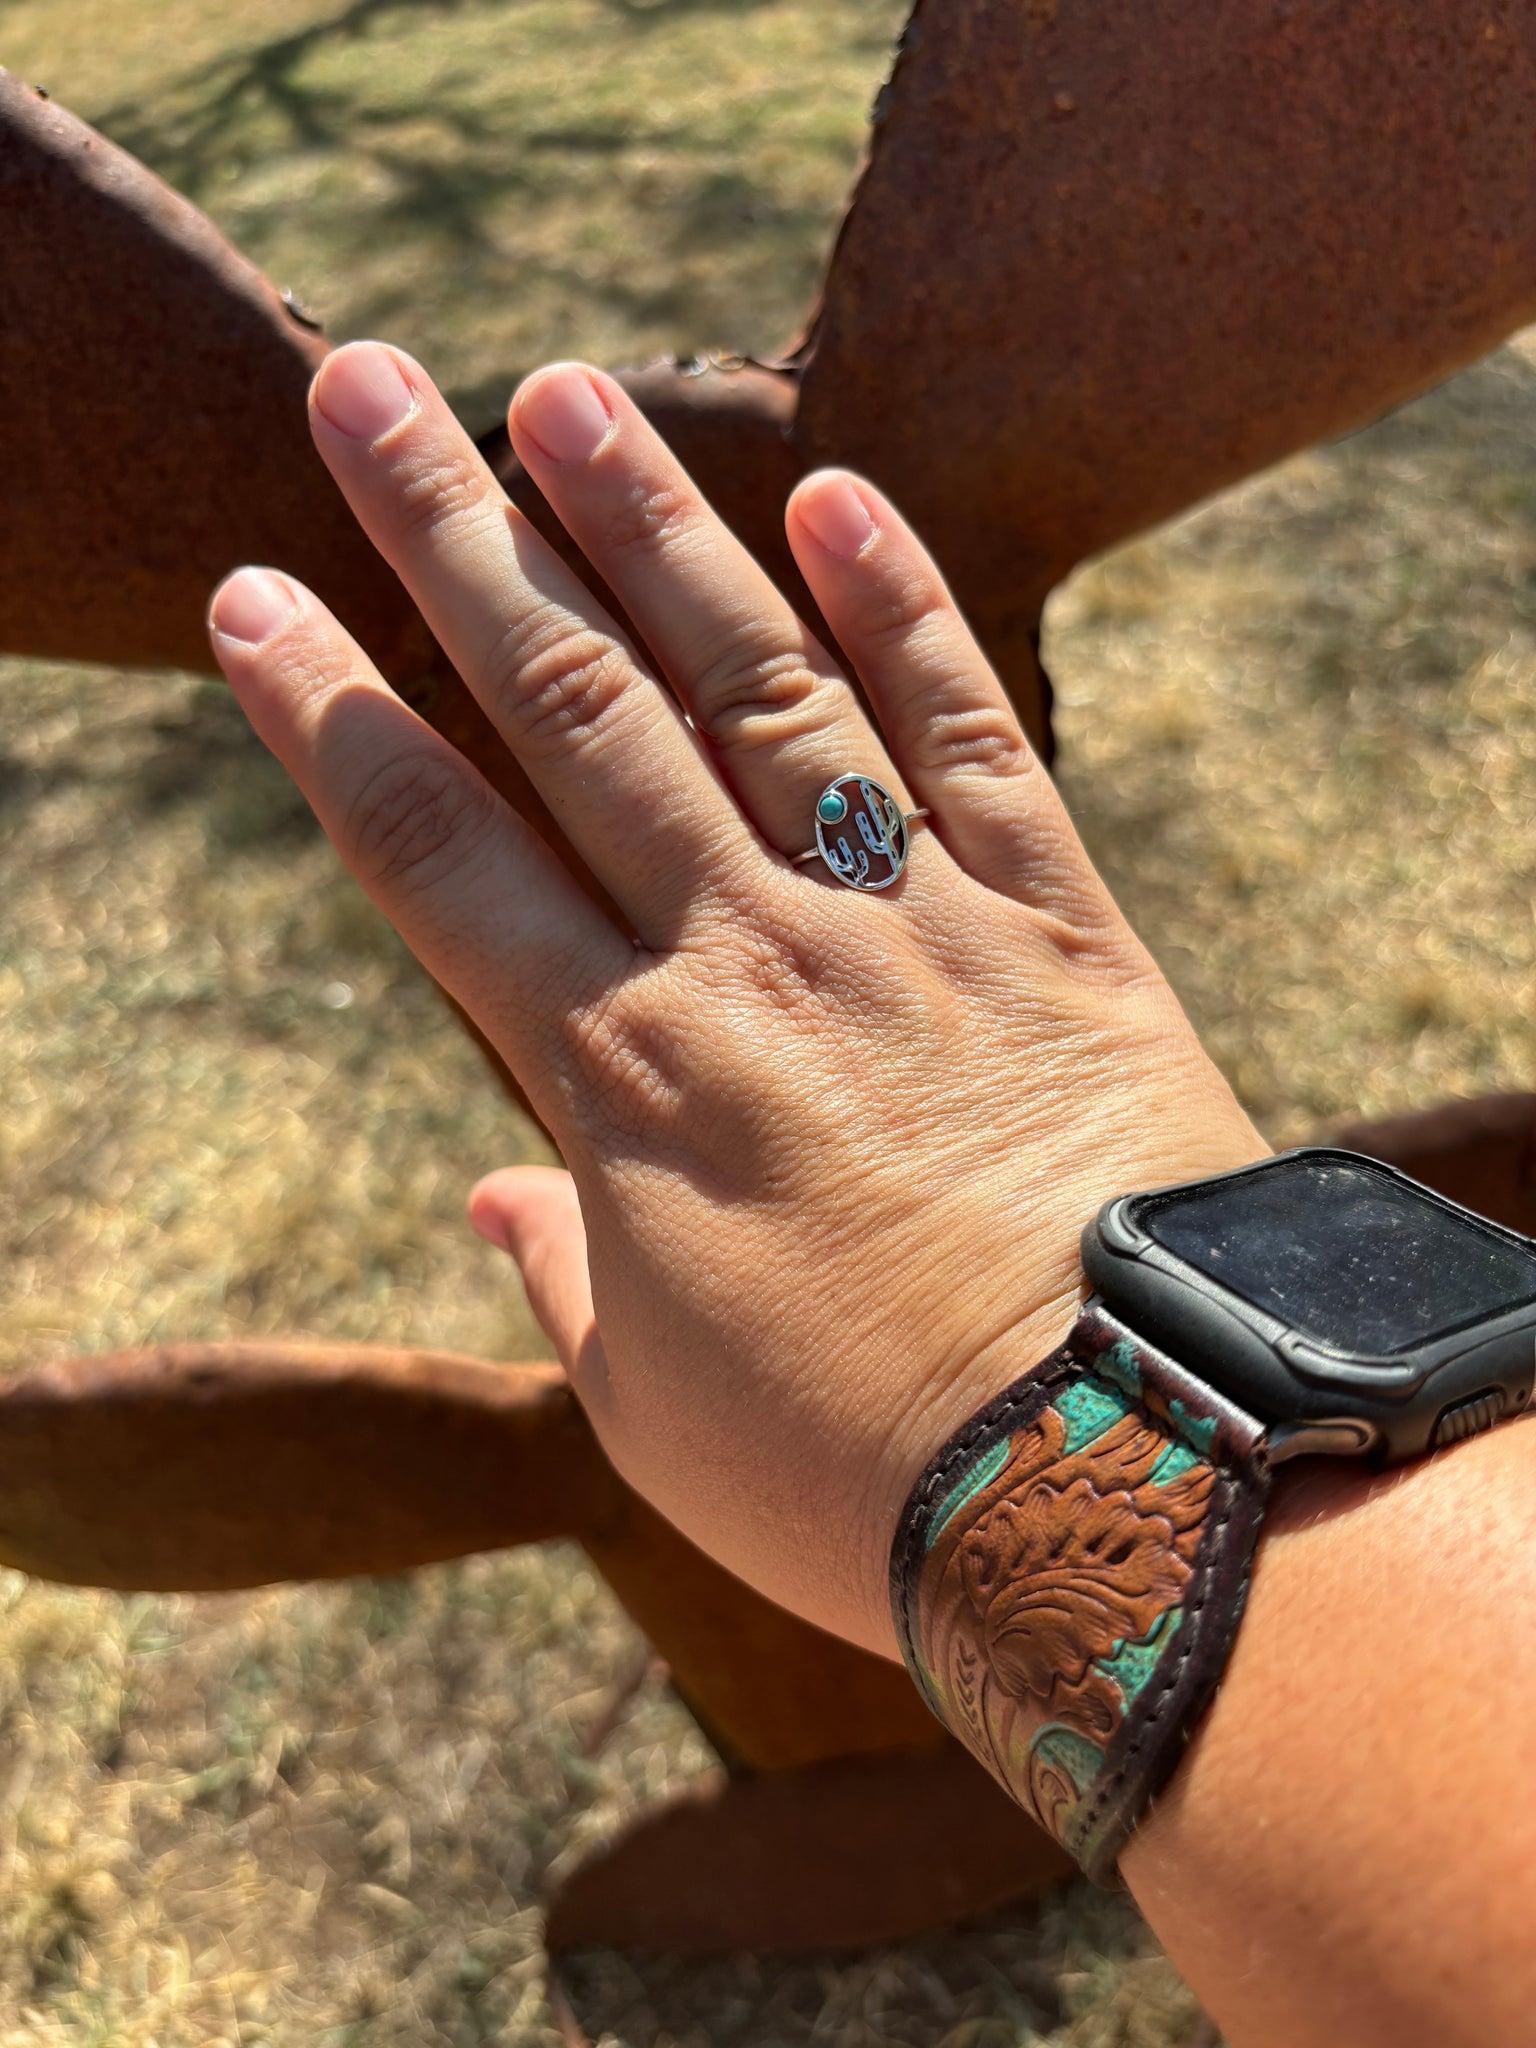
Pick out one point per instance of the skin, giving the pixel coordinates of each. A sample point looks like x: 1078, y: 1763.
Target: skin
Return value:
x: 830, y: 1152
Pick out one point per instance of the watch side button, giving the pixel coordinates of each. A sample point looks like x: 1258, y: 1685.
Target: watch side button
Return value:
x: 1343, y: 1436
x: 1468, y: 1418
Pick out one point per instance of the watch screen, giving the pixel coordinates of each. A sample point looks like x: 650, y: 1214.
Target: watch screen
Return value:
x: 1347, y: 1256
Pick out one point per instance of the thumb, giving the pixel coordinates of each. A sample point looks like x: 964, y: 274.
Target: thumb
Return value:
x: 531, y: 1213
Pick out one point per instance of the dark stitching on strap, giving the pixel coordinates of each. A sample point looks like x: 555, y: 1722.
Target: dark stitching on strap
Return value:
x: 914, y: 1515
x: 1169, y: 1680
x: 986, y: 1419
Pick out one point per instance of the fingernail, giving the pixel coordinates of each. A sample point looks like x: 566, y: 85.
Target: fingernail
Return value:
x: 562, y: 411
x: 361, y: 391
x: 835, y: 515
x: 252, y: 605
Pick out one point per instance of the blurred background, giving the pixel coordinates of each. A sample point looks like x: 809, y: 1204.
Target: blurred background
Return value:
x: 1298, y: 731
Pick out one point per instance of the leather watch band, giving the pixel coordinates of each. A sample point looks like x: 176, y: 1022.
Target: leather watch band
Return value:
x: 1069, y: 1573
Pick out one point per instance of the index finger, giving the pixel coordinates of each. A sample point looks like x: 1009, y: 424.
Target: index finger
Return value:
x: 470, y: 887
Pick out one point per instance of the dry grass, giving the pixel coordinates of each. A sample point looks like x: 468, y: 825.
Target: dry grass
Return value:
x: 1299, y: 731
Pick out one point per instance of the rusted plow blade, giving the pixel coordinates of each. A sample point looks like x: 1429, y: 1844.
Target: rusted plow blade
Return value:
x: 154, y: 387
x: 319, y: 1461
x: 1086, y: 279
x: 201, y: 1467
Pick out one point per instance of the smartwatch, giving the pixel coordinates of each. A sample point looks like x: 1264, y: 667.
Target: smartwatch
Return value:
x: 1070, y: 1570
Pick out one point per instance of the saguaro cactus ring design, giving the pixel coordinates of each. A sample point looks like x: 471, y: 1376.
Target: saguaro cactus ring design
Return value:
x: 862, y: 833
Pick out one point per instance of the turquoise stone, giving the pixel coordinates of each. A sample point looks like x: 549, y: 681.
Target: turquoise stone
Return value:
x: 832, y: 807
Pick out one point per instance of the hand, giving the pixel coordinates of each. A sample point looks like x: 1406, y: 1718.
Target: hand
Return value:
x: 833, y: 1150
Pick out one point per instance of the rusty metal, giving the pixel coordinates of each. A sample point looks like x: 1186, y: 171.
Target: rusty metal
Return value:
x: 153, y: 386
x: 1085, y: 280
x: 199, y: 1467
x: 206, y: 1467
x: 819, y: 1858
x: 202, y: 1467
x: 769, y: 1690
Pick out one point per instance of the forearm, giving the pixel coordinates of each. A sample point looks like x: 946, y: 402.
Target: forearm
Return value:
x: 1345, y: 1855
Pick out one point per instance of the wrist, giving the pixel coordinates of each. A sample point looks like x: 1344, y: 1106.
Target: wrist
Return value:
x: 926, y: 1417
x: 1000, y: 1343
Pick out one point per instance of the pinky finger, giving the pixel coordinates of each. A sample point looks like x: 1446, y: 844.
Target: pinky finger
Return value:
x: 949, y: 726
x: 474, y: 893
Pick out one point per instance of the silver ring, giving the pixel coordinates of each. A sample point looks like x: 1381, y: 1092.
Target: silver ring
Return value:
x: 862, y: 833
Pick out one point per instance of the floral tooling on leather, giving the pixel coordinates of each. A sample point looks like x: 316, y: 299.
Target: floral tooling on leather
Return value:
x: 1055, y: 1569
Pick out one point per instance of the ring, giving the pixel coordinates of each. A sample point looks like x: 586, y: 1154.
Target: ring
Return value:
x: 857, y: 808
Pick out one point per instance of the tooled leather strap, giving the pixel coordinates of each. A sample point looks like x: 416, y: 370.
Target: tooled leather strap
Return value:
x: 1069, y: 1573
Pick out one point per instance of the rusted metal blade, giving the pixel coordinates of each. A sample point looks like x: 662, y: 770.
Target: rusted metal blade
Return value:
x: 199, y: 1467
x: 153, y: 385
x: 1481, y: 1152
x: 838, y: 1855
x: 153, y: 388
x: 769, y: 1690
x: 1105, y: 260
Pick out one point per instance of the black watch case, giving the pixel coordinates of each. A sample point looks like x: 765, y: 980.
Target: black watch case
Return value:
x: 1355, y: 1311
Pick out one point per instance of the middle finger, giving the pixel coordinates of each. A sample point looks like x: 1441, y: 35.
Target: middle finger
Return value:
x: 778, y: 712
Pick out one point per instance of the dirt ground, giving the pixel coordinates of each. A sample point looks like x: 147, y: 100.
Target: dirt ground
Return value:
x: 1298, y: 731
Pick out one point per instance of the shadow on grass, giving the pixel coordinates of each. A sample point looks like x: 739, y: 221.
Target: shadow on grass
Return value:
x: 440, y: 165
x: 211, y: 761
x: 194, y: 134
x: 998, y: 1980
x: 218, y: 100
x: 210, y: 758
x: 1427, y: 522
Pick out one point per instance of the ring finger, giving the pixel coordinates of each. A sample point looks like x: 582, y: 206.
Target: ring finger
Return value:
x: 779, y: 714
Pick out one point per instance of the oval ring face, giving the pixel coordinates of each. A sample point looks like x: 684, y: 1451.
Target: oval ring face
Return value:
x: 861, y: 833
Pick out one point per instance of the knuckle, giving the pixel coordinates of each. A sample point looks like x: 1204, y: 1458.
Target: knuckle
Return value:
x: 632, y: 1063
x: 648, y: 516
x: 971, y: 736
x: 438, y: 488
x: 304, y: 661
x: 903, y: 613
x: 557, y: 685
x: 413, y: 821
x: 778, y: 959
x: 789, y: 972
x: 310, y: 662
x: 746, y: 694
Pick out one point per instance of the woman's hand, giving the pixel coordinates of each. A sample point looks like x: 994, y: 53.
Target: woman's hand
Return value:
x: 833, y: 1150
